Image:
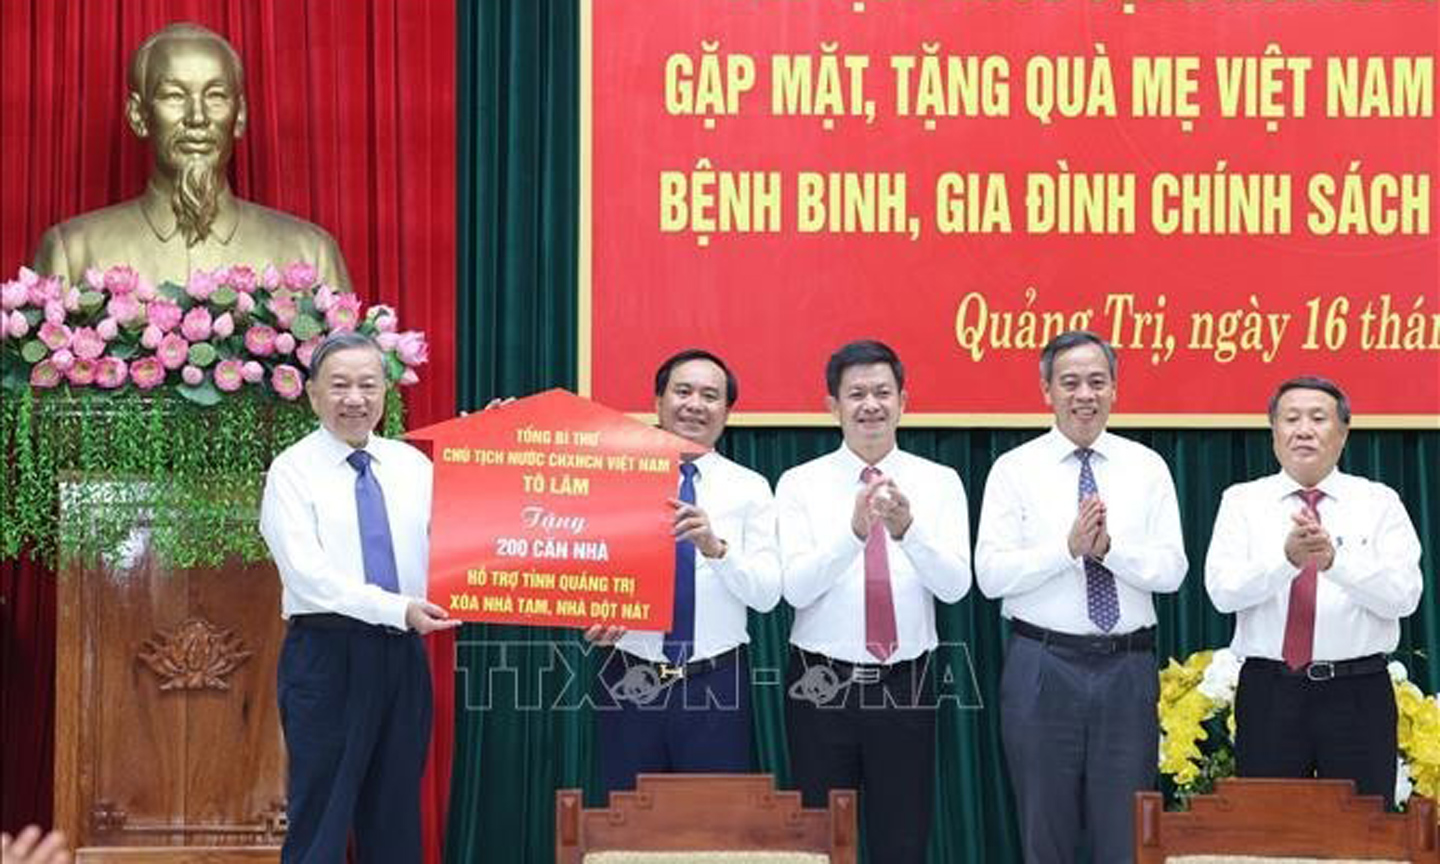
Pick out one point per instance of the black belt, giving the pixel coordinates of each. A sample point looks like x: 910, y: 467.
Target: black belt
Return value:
x: 1324, y: 670
x: 334, y: 621
x: 860, y: 673
x: 1118, y: 643
x: 669, y: 673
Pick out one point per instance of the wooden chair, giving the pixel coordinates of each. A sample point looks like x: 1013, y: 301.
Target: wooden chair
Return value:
x: 704, y: 813
x: 1255, y: 819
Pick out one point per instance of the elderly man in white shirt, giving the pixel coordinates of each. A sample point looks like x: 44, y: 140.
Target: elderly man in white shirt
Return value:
x: 1319, y: 567
x: 870, y: 537
x: 680, y: 701
x: 1079, y: 528
x: 346, y: 514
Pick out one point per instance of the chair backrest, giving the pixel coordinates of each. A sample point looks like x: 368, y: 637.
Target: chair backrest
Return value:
x: 1289, y: 819
x: 704, y: 812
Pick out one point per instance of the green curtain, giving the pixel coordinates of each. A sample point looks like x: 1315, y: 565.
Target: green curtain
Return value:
x: 523, y: 728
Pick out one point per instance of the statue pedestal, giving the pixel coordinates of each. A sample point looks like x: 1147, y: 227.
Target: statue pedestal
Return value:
x: 167, y: 735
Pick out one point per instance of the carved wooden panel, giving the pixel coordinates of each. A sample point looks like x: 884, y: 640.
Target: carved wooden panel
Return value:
x: 167, y: 731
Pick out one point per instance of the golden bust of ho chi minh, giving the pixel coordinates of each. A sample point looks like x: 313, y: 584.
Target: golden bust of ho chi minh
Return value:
x: 187, y: 99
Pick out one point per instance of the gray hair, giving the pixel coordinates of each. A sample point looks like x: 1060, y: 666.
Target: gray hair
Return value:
x: 345, y: 340
x: 179, y: 32
x: 1073, y: 339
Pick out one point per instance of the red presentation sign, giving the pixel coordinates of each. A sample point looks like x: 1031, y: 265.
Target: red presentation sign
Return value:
x: 1231, y: 191
x: 552, y: 510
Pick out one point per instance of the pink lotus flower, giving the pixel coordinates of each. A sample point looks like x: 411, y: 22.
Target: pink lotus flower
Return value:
x: 260, y: 340
x: 229, y: 375
x: 387, y: 341
x: 270, y: 276
x: 284, y: 308
x: 241, y: 278
x: 108, y: 329
x: 82, y: 373
x: 345, y: 314
x: 200, y: 285
x: 409, y: 377
x: 300, y: 275
x: 386, y: 323
x: 223, y: 326
x: 13, y: 295
x: 54, y: 312
x: 147, y: 373
x: 252, y: 372
x: 286, y: 381
x: 17, y: 326
x: 284, y: 343
x: 307, y: 348
x: 192, y: 375
x: 121, y: 279
x: 173, y: 351
x: 146, y: 290
x: 111, y: 372
x: 95, y: 278
x: 196, y: 324
x: 44, y: 375
x: 70, y: 299
x: 152, y: 337
x: 125, y: 308
x: 42, y: 291
x: 87, y: 344
x: 244, y: 304
x: 324, y: 298
x: 164, y: 314
x: 412, y: 348
x: 62, y: 359
x: 55, y: 336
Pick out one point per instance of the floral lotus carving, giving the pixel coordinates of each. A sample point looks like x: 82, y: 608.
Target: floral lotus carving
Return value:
x: 197, y: 655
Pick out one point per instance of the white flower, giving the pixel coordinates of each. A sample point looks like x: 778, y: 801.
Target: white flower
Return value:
x: 1398, y: 675
x: 1403, y: 786
x: 1221, y: 677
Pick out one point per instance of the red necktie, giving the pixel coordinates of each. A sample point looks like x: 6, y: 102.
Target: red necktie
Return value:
x: 1299, y: 642
x: 879, y: 604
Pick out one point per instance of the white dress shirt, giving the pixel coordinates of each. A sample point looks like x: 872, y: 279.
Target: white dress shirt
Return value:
x: 310, y: 523
x: 742, y: 513
x: 1373, y: 583
x: 824, y: 562
x: 1022, y: 555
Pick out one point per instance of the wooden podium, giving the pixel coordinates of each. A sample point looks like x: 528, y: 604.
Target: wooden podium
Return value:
x: 167, y: 736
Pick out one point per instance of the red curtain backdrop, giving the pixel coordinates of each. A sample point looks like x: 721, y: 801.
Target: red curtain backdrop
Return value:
x: 352, y: 126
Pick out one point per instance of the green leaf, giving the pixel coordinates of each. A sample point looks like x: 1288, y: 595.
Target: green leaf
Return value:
x: 171, y: 291
x: 394, y: 368
x: 91, y: 301
x: 34, y: 351
x: 123, y: 350
x: 305, y: 328
x: 223, y: 297
x: 203, y: 393
x: 202, y: 354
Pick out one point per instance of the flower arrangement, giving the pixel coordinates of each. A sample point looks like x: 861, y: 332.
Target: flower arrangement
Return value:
x: 179, y: 395
x: 1197, y: 726
x: 221, y: 332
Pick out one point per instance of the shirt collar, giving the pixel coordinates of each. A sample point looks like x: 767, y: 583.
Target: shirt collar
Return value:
x: 155, y: 205
x: 1062, y: 448
x: 337, y: 451
x: 1332, y: 485
x: 852, y: 464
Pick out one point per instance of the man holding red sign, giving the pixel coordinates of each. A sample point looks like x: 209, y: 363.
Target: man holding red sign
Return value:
x: 680, y: 701
x: 870, y: 537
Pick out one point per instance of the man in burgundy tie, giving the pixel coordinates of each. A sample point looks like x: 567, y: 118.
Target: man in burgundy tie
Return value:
x: 1078, y: 531
x: 870, y: 538
x: 1319, y: 567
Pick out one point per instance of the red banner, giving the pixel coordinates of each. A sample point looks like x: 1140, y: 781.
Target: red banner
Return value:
x: 1231, y: 191
x: 552, y: 510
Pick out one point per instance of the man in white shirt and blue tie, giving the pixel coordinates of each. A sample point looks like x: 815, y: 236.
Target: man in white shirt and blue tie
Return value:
x: 680, y: 701
x: 346, y: 514
x: 1079, y: 528
x: 870, y: 538
x: 1319, y: 566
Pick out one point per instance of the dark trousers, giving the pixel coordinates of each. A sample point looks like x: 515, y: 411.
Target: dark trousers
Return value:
x: 699, y: 724
x: 877, y: 738
x: 1290, y: 726
x: 1081, y: 738
x: 355, y: 705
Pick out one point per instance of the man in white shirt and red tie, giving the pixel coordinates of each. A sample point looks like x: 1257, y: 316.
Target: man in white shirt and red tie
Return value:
x: 1319, y: 567
x: 1079, y: 528
x: 680, y: 700
x: 870, y: 538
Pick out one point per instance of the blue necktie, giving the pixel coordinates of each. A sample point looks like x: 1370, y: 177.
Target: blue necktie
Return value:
x: 1101, y: 602
x: 375, y: 546
x: 678, y: 641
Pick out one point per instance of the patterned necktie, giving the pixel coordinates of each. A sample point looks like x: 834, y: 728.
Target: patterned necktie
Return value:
x: 376, y: 548
x: 1299, y: 644
x: 880, y: 637
x: 678, y: 642
x: 1101, y: 602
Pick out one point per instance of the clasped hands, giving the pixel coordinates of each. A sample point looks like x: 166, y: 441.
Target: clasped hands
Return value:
x: 1089, y: 536
x: 881, y: 500
x: 1308, y: 542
